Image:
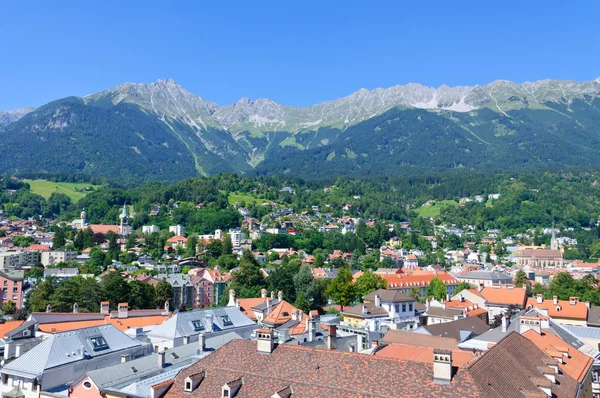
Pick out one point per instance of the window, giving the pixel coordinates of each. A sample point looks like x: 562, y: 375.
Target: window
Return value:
x: 87, y: 385
x: 15, y: 289
x: 403, y: 307
x: 226, y: 321
x: 225, y: 393
x: 198, y: 326
x: 188, y: 386
x: 98, y: 343
x: 410, y: 306
x: 397, y: 308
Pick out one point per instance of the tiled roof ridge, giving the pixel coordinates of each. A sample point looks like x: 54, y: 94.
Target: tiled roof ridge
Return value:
x: 476, y: 359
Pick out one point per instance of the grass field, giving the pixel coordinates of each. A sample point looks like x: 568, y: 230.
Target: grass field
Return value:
x: 434, y: 209
x: 72, y: 190
x: 235, y: 198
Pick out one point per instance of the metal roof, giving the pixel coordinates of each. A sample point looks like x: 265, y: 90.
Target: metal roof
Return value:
x: 180, y: 324
x: 68, y: 347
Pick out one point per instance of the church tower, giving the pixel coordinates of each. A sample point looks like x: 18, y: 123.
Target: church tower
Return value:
x: 553, y: 242
x: 83, y: 218
x: 125, y: 228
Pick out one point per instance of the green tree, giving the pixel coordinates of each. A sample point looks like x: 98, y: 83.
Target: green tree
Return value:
x: 9, y: 307
x: 462, y: 286
x: 114, y: 288
x: 437, y: 289
x: 60, y: 238
x: 415, y: 292
x: 89, y: 295
x: 164, y: 293
x: 341, y: 289
x: 227, y: 245
x: 190, y: 246
x: 368, y: 282
x: 521, y: 278
x: 141, y: 295
x: 41, y: 296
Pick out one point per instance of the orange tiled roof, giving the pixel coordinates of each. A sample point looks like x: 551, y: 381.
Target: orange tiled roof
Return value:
x: 9, y: 326
x: 38, y: 248
x: 503, y: 295
x: 66, y: 326
x: 246, y: 305
x: 137, y: 322
x: 281, y: 314
x: 576, y: 365
x: 576, y: 311
x: 175, y: 239
x: 104, y: 229
x: 418, y: 278
x: 471, y: 308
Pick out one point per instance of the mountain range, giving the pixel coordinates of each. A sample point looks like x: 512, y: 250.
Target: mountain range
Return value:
x: 139, y: 132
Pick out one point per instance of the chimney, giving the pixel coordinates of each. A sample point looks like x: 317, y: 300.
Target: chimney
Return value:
x: 75, y: 308
x: 505, y: 323
x: 377, y: 300
x: 49, y: 308
x: 123, y: 310
x: 295, y: 315
x: 530, y: 323
x: 480, y: 288
x: 442, y: 366
x: 201, y: 342
x: 312, y: 326
x: 462, y: 298
x: 231, y: 302
x: 331, y: 335
x: 265, y: 343
x: 186, y: 340
x: 540, y: 298
x: 280, y: 295
x: 209, y: 319
x: 18, y: 350
x: 365, y: 309
x: 555, y: 300
x: 161, y: 359
x: 447, y: 297
x: 573, y: 300
x: 263, y: 293
x: 238, y: 304
x: 166, y: 308
x: 268, y: 306
x: 272, y: 295
x: 105, y: 307
x: 124, y: 358
x: 524, y: 286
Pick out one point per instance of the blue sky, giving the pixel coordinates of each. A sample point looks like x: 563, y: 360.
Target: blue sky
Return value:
x: 296, y: 53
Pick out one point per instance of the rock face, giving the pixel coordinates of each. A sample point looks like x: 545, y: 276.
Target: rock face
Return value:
x: 7, y: 117
x: 166, y: 98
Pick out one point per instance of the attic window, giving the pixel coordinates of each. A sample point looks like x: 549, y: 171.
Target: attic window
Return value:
x: 198, y: 326
x: 175, y: 355
x: 134, y: 369
x: 98, y: 343
x: 226, y: 321
x: 188, y: 386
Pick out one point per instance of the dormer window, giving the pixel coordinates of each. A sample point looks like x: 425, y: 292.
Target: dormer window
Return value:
x: 188, y: 386
x: 98, y: 343
x: 198, y: 326
x: 226, y: 321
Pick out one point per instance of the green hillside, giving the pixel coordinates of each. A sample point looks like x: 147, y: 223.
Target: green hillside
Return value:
x: 73, y: 190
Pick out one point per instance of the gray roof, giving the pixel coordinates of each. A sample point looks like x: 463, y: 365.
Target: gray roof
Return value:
x: 390, y: 295
x: 485, y: 275
x: 55, y: 317
x: 138, y: 375
x: 443, y: 312
x: 63, y: 348
x: 175, y: 279
x: 263, y: 306
x: 61, y: 272
x: 594, y: 315
x: 180, y: 324
x: 585, y: 332
x: 460, y: 330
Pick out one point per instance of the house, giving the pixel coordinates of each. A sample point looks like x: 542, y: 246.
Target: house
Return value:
x: 176, y: 240
x: 567, y: 312
x: 63, y: 357
x: 11, y: 282
x: 408, y: 280
x: 487, y: 278
x: 178, y: 230
x: 183, y: 289
x: 264, y: 369
x: 384, y: 307
x: 149, y: 229
x: 54, y: 257
x: 189, y: 325
x: 471, y: 309
x: 208, y: 288
x: 147, y: 377
x: 437, y: 312
x: 61, y: 273
x: 495, y: 299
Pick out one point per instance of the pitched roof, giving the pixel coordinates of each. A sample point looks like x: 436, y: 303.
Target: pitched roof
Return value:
x: 423, y: 354
x: 542, y: 253
x: 512, y: 367
x: 567, y: 310
x: 418, y: 340
x: 104, y: 229
x: 389, y: 295
x: 8, y: 327
x: 453, y: 329
x: 317, y: 373
x: 372, y: 311
x: 63, y: 348
x: 246, y: 305
x: 503, y: 295
x: 444, y: 312
x: 594, y: 315
x: 280, y: 314
x: 575, y: 365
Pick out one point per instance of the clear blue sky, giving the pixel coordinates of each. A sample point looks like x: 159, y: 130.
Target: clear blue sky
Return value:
x: 296, y: 53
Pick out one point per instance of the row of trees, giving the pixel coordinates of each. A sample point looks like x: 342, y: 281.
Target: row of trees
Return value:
x: 88, y: 293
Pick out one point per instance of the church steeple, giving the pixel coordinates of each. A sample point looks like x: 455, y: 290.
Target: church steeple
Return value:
x: 125, y: 228
x: 553, y: 242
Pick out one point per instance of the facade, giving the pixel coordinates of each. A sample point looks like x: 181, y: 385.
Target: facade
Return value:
x: 540, y: 258
x: 209, y: 287
x: 12, y: 286
x: 20, y: 259
x: 406, y: 281
x: 183, y: 289
x: 485, y: 278
x: 149, y: 229
x: 567, y: 312
x: 178, y: 230
x: 124, y: 228
x: 54, y: 257
x: 236, y: 237
x: 384, y: 307
x: 496, y: 299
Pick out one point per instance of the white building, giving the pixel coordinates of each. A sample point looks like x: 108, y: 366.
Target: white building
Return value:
x: 178, y: 230
x: 148, y: 229
x: 54, y: 257
x: 236, y: 237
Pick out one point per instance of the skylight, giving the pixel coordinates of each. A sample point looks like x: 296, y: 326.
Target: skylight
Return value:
x: 226, y: 321
x: 98, y: 343
x: 198, y: 326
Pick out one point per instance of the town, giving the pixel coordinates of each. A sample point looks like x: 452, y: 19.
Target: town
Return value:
x: 281, y: 297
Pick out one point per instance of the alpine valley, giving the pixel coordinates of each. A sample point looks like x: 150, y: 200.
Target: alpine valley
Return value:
x: 160, y: 131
